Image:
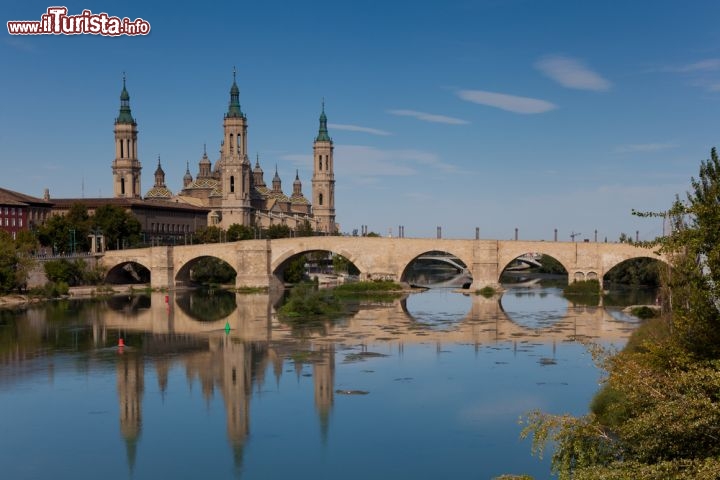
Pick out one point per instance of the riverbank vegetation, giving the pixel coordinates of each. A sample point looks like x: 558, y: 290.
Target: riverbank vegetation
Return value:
x: 487, y: 291
x: 657, y: 415
x: 307, y: 300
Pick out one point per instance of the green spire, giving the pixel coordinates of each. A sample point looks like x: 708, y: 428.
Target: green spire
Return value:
x: 323, y: 132
x: 125, y: 115
x: 234, y: 108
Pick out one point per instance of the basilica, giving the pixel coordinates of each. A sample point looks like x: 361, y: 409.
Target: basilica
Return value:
x: 231, y: 190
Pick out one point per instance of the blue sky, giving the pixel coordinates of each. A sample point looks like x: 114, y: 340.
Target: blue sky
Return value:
x: 496, y: 114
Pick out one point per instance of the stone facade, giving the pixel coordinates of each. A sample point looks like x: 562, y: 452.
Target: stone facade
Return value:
x: 20, y: 212
x: 260, y: 263
x: 232, y: 190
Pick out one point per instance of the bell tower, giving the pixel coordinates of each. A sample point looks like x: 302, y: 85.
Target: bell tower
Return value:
x: 323, y: 180
x: 126, y: 167
x: 234, y: 164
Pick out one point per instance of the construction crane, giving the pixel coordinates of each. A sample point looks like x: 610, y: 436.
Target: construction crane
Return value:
x: 574, y: 234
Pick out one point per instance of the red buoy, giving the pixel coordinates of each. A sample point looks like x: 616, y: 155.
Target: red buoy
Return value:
x: 121, y: 342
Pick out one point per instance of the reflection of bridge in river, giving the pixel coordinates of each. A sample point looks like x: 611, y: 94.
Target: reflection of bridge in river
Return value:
x: 234, y: 366
x: 255, y: 319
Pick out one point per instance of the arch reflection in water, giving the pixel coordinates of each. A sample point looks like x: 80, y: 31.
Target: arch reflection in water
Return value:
x: 437, y: 309
x: 236, y: 400
x: 206, y: 305
x: 535, y: 309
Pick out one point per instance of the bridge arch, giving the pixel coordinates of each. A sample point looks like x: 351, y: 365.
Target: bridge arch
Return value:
x: 611, y: 263
x: 533, y: 259
x: 128, y: 272
x: 558, y: 252
x: 280, y: 264
x: 198, y: 270
x: 437, y: 268
x: 640, y: 270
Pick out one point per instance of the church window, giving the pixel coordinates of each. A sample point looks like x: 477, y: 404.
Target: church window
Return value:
x: 320, y: 162
x: 320, y: 199
x: 122, y: 149
x: 232, y: 184
x: 231, y: 141
x: 122, y: 186
x: 326, y: 162
x: 239, y: 140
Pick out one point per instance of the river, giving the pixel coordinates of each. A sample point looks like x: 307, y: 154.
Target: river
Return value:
x: 216, y: 386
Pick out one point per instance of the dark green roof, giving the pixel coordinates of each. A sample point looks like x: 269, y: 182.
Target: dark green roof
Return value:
x: 125, y: 115
x: 234, y: 107
x: 323, y: 131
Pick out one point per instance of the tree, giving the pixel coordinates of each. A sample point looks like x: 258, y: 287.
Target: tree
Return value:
x: 239, y: 232
x: 15, y: 263
x: 56, y: 234
x: 277, y: 231
x: 343, y: 265
x: 8, y: 263
x: 625, y: 238
x: 658, y: 413
x: 304, y: 229
x: 211, y: 270
x: 209, y: 234
x: 119, y: 226
x: 65, y: 271
x: 295, y: 270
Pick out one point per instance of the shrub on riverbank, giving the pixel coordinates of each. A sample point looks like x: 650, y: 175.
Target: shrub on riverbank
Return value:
x: 643, y: 312
x: 369, y: 286
x: 658, y: 415
x: 307, y: 300
x: 487, y: 292
x: 583, y: 287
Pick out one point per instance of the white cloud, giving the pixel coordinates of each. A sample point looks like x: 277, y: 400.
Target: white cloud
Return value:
x: 367, y: 161
x: 643, y: 147
x: 357, y: 128
x: 511, y: 103
x: 707, y: 65
x: 429, y: 117
x: 571, y: 73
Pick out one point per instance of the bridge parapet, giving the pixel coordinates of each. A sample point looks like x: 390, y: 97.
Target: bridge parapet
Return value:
x: 259, y: 263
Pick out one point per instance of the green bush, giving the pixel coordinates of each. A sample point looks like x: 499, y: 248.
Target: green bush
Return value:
x: 306, y: 300
x: 373, y: 286
x: 643, y: 312
x: 584, y: 287
x: 487, y: 292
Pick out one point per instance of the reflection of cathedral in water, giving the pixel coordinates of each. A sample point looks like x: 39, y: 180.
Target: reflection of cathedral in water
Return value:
x: 220, y: 363
x: 130, y: 386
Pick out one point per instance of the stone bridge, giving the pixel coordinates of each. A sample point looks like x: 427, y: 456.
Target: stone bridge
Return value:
x: 261, y: 263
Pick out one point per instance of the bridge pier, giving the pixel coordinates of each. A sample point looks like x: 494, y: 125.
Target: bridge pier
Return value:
x: 485, y: 269
x: 162, y: 266
x: 253, y: 265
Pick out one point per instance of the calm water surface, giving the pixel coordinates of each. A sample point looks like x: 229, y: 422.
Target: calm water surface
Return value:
x: 430, y: 386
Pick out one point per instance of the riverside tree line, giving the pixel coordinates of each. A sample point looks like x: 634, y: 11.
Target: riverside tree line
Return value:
x: 657, y: 414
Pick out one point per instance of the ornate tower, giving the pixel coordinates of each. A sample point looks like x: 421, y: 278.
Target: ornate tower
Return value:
x: 323, y: 180
x: 234, y: 164
x: 159, y: 191
x: 187, y: 178
x: 126, y: 167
